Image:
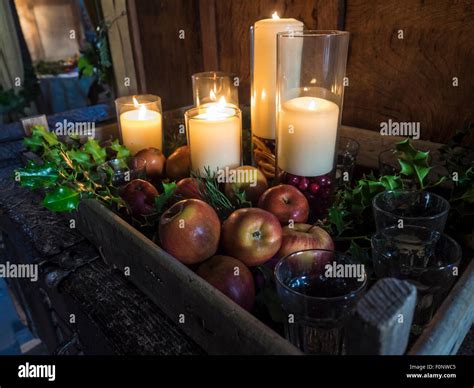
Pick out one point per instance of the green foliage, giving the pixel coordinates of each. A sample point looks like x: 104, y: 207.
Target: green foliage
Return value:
x: 162, y: 200
x: 69, y: 172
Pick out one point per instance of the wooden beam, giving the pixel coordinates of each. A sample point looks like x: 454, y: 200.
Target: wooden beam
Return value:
x: 120, y: 47
x: 207, y: 12
x: 133, y: 24
x: 382, y: 320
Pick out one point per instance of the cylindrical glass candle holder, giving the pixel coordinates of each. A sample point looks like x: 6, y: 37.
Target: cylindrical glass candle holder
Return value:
x: 263, y: 68
x: 309, y: 107
x: 140, y: 122
x: 213, y: 86
x: 214, y: 134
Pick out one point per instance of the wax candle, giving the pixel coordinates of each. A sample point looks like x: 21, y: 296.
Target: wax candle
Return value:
x: 307, y: 131
x: 141, y: 128
x: 264, y: 72
x: 214, y: 137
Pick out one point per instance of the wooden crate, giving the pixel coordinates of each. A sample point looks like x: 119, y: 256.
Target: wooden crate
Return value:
x: 215, y: 322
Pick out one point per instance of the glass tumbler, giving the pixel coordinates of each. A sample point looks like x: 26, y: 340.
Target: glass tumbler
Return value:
x: 318, y: 290
x: 427, y: 259
x: 404, y: 207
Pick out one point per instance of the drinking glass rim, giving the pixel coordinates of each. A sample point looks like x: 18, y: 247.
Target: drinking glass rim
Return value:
x: 444, y: 266
x: 334, y: 298
x: 128, y: 100
x: 315, y: 33
x: 403, y: 191
x: 208, y: 74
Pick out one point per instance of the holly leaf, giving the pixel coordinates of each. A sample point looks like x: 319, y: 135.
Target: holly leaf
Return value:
x: 335, y: 216
x: 33, y: 143
x: 37, y: 176
x: 49, y: 137
x: 413, y: 163
x: 121, y: 150
x: 95, y: 150
x: 162, y: 199
x: 62, y: 199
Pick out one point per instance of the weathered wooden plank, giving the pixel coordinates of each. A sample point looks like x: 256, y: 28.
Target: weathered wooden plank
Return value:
x: 382, y: 320
x: 215, y: 322
x: 410, y: 78
x: 207, y: 12
x: 120, y: 46
x: 453, y: 320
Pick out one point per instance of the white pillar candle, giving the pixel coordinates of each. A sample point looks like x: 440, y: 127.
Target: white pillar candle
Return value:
x: 141, y: 128
x: 264, y: 72
x: 307, y: 131
x: 214, y: 137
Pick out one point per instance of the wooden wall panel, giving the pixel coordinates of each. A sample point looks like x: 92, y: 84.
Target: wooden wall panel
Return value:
x: 234, y: 19
x: 410, y: 79
x: 169, y: 61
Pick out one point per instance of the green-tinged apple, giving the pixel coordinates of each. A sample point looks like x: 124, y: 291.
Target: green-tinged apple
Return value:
x: 190, y: 231
x: 231, y: 277
x: 178, y: 165
x: 304, y: 236
x: 188, y: 188
x: 248, y: 179
x: 286, y: 202
x: 140, y: 196
x: 155, y: 162
x: 251, y: 235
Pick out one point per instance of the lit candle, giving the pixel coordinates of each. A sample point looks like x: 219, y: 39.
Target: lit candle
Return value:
x: 141, y: 128
x: 307, y: 131
x: 214, y: 136
x: 264, y: 72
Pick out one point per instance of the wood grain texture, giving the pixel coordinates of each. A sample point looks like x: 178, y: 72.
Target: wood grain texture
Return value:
x: 120, y: 47
x: 168, y: 60
x: 382, y: 319
x: 234, y: 19
x: 410, y: 79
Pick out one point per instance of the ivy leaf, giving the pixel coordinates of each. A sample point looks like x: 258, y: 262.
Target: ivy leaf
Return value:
x: 80, y: 157
x: 122, y: 151
x: 162, y: 199
x: 95, y: 150
x: 36, y: 175
x: 62, y: 199
x: 41, y: 132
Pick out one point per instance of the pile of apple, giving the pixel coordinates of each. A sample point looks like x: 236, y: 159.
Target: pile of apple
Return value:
x: 222, y: 253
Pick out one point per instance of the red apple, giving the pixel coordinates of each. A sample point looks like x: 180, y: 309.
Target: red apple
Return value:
x: 251, y: 235
x: 248, y: 179
x: 190, y: 231
x: 155, y: 162
x: 140, y: 197
x: 188, y: 188
x: 286, y: 203
x: 304, y: 236
x: 178, y: 165
x: 231, y: 277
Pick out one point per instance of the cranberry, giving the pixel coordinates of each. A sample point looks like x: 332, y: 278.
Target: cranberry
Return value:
x: 325, y: 181
x: 303, y: 185
x: 293, y: 179
x: 314, y: 188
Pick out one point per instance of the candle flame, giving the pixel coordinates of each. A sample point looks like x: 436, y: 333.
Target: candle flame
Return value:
x: 275, y: 16
x: 135, y: 102
x: 216, y: 110
x: 142, y: 112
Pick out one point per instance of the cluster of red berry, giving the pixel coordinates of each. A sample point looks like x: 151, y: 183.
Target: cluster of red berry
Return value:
x: 317, y: 190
